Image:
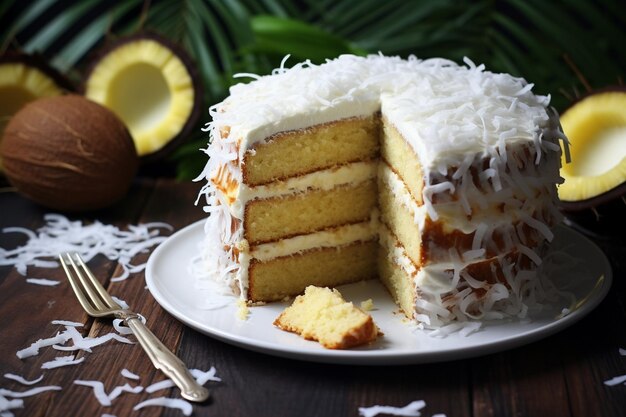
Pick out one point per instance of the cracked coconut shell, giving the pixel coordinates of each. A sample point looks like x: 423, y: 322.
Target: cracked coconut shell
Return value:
x: 153, y: 86
x: 596, y: 128
x: 68, y: 153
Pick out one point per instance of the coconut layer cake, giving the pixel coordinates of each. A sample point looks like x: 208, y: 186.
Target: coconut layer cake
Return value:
x: 437, y: 178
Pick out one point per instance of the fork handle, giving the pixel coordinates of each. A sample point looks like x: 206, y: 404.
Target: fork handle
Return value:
x: 166, y: 361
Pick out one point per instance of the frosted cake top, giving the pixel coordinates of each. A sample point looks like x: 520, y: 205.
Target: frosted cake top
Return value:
x: 444, y: 110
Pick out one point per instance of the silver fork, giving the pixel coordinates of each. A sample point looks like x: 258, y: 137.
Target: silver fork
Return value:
x: 98, y: 303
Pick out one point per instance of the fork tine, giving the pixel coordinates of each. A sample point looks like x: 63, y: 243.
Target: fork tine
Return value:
x: 104, y: 295
x: 76, y: 286
x: 87, y: 286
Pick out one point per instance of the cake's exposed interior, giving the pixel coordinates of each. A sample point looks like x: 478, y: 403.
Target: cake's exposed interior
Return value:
x: 438, y: 179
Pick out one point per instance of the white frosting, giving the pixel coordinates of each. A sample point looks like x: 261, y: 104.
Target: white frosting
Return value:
x: 454, y: 117
x: 335, y: 237
x: 326, y: 179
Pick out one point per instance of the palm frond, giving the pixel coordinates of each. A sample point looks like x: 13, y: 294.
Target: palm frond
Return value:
x: 527, y: 38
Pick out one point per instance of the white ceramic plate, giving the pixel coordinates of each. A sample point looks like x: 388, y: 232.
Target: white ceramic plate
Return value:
x: 173, y: 287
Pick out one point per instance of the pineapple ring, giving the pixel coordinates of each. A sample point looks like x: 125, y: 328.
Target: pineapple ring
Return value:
x: 596, y: 129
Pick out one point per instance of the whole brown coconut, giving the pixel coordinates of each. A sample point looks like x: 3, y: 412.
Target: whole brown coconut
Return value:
x: 68, y: 153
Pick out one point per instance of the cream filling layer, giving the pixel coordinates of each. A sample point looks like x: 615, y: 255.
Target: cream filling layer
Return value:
x: 451, y: 215
x: 327, y: 179
x: 330, y: 238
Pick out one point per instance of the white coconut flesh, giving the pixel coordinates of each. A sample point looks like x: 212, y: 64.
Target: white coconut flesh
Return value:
x: 608, y: 151
x: 148, y: 86
x: 596, y: 128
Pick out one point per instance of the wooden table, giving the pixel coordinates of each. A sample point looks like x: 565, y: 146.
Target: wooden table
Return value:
x: 562, y: 375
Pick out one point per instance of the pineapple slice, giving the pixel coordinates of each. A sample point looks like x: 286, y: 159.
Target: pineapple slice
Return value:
x: 596, y: 128
x: 25, y: 78
x: 150, y: 85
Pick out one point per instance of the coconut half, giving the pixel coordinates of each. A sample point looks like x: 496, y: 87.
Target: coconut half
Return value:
x: 152, y: 86
x: 25, y: 78
x: 596, y: 129
x: 68, y: 153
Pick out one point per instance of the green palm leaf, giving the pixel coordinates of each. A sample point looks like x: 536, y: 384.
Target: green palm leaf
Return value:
x: 528, y: 38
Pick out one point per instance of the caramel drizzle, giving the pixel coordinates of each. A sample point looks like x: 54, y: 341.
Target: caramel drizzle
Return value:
x: 226, y: 183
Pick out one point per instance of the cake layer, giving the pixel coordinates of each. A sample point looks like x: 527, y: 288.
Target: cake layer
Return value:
x: 329, y: 238
x: 398, y: 282
x: 498, y: 227
x: 401, y: 222
x: 276, y: 218
x: 441, y: 292
x: 326, y: 267
x: 397, y: 153
x: 297, y: 152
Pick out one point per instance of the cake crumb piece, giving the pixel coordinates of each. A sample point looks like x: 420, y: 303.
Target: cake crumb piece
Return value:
x: 367, y: 305
x: 242, y: 310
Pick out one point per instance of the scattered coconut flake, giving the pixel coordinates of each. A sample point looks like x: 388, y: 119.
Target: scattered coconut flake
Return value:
x: 86, y: 343
x: 33, y: 349
x: 615, y: 381
x: 117, y: 391
x: 158, y: 386
x: 59, y: 235
x: 121, y: 302
x: 123, y: 329
x: 9, y: 405
x: 470, y: 327
x: 128, y: 374
x: 67, y: 323
x: 43, y: 281
x: 202, y: 377
x: 464, y: 328
x: 622, y: 352
x: 410, y: 410
x: 98, y: 391
x: 62, y: 361
x: 21, y: 379
x: 28, y: 393
x: 178, y: 403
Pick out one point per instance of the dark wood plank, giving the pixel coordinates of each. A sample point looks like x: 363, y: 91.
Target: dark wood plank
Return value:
x: 527, y: 381
x: 592, y: 357
x: 261, y: 385
x: 561, y: 375
x: 172, y: 203
x: 26, y: 310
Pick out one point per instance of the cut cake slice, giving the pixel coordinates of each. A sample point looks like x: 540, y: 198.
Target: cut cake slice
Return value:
x: 323, y: 315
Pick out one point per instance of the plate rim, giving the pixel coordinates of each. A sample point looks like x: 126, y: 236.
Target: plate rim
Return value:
x: 378, y: 357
